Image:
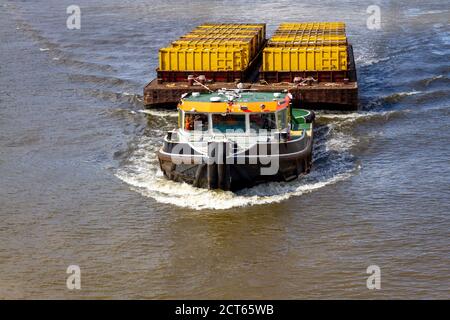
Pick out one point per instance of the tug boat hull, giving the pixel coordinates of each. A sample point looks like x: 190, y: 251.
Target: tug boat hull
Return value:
x: 220, y: 170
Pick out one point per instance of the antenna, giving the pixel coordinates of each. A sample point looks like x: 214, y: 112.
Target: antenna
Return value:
x: 204, y: 86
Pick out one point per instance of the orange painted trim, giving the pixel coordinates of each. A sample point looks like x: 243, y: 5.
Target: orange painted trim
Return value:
x: 224, y: 107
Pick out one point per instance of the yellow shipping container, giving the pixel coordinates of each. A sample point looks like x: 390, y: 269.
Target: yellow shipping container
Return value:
x: 312, y: 25
x: 247, y: 53
x: 326, y: 58
x: 309, y: 33
x: 310, y: 38
x: 296, y: 44
x: 227, y: 25
x: 318, y: 32
x: 201, y: 59
x: 234, y: 27
x: 214, y: 47
x: 261, y: 26
x: 249, y: 44
x: 227, y: 33
x: 309, y: 30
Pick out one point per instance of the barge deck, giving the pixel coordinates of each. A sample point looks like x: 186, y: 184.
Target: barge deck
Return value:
x: 322, y: 95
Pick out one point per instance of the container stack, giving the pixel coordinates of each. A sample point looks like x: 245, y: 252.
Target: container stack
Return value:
x: 313, y: 61
x: 311, y: 49
x: 213, y: 48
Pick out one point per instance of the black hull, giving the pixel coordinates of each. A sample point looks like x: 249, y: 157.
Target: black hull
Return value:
x: 234, y: 174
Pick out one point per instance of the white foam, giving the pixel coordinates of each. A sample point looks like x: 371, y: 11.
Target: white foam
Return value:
x: 346, y: 116
x: 184, y: 195
x: 159, y: 113
x: 365, y: 61
x: 340, y: 142
x: 349, y: 117
x: 408, y: 93
x: 415, y: 12
x: 144, y: 176
x: 354, y: 116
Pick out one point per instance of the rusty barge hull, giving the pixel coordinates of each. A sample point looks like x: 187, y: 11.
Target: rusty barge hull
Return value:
x: 319, y: 96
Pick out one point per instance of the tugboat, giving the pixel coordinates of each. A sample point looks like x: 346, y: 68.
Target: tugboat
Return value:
x: 235, y: 139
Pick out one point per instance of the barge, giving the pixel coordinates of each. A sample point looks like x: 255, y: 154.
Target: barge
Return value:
x: 314, y: 62
x: 234, y: 139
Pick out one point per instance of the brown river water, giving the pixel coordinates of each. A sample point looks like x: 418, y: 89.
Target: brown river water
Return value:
x: 80, y: 183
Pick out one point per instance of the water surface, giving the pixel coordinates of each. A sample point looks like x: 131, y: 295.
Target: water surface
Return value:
x: 80, y: 184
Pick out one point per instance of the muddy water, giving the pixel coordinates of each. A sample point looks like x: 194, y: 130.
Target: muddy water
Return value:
x: 79, y: 181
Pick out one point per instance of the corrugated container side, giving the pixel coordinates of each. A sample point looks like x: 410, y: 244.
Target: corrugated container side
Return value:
x: 201, y: 59
x: 246, y: 46
x: 305, y: 59
x: 248, y: 43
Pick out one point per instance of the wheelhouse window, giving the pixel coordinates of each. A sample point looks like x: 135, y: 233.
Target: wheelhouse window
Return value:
x: 262, y: 121
x: 282, y: 119
x: 228, y: 122
x: 195, y: 121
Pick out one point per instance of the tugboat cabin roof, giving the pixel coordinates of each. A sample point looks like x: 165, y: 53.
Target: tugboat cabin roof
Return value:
x: 234, y: 102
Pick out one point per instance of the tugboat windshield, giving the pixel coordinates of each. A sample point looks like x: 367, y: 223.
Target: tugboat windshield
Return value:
x: 196, y: 121
x: 262, y: 121
x: 228, y: 122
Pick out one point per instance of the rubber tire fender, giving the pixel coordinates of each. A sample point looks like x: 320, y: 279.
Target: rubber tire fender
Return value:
x: 310, y: 117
